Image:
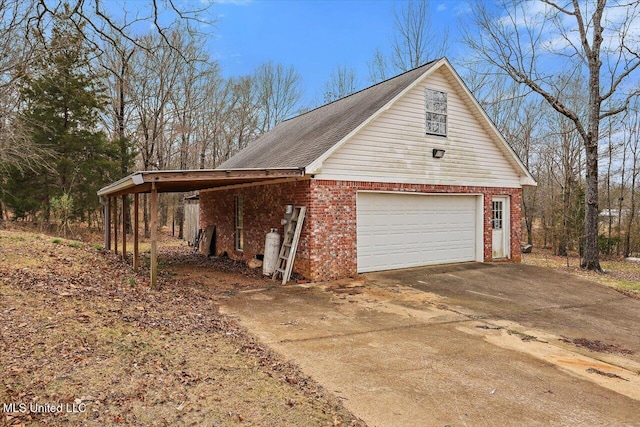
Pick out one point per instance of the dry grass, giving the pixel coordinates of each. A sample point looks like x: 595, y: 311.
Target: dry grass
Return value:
x: 618, y: 273
x: 77, y: 325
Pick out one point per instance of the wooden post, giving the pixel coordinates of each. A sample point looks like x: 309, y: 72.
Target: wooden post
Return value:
x: 115, y: 225
x: 154, y: 234
x: 135, y: 231
x: 107, y: 224
x: 124, y: 227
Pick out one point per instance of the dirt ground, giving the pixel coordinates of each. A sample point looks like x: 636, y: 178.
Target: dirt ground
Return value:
x: 473, y: 344
x: 79, y: 328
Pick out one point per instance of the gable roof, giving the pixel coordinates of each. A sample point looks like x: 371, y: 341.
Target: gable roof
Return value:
x: 307, y: 140
x: 298, y: 141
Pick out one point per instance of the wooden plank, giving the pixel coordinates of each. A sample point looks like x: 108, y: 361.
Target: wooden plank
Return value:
x: 154, y: 235
x: 294, y: 245
x: 205, y: 242
x: 136, y: 219
x: 115, y: 225
x: 207, y: 175
x: 124, y: 227
x: 254, y: 184
x: 107, y: 224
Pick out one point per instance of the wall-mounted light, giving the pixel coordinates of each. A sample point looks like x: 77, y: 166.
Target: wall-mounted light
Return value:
x: 438, y: 153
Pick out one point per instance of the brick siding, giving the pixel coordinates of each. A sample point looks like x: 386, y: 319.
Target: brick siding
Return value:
x: 264, y: 207
x: 328, y: 245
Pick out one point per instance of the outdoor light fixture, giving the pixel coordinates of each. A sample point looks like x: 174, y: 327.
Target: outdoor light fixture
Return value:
x: 438, y: 153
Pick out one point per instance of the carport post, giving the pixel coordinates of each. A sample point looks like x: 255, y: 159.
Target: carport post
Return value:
x: 115, y: 225
x: 154, y: 234
x: 124, y: 227
x: 135, y: 231
x: 107, y: 223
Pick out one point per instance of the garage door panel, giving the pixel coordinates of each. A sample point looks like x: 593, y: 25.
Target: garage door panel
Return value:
x: 409, y: 230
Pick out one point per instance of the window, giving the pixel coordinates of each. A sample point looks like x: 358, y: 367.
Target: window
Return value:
x: 497, y: 215
x: 239, y: 223
x: 436, y: 112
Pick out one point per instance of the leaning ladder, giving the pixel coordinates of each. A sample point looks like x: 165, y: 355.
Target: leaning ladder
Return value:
x: 290, y: 244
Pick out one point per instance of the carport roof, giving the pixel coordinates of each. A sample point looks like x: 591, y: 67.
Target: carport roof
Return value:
x: 190, y: 180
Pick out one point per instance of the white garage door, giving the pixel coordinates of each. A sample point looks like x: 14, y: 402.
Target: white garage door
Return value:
x: 409, y: 230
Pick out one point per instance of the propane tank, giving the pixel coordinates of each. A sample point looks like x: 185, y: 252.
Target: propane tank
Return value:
x: 271, y: 252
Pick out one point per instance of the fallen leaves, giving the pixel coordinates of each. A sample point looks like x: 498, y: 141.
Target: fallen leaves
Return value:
x: 597, y: 346
x: 74, y: 330
x: 605, y: 374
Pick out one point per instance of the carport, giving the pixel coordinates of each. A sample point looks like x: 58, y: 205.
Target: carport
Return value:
x: 172, y: 181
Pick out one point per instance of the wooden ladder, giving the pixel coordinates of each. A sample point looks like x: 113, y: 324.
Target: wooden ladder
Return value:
x: 290, y: 244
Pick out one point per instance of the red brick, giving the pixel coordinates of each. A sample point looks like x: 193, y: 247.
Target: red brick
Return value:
x: 328, y: 246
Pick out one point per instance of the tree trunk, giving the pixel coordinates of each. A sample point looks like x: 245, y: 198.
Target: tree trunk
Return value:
x: 632, y: 209
x: 591, y: 260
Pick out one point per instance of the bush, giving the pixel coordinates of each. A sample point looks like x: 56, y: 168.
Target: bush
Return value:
x: 607, y: 245
x: 62, y: 209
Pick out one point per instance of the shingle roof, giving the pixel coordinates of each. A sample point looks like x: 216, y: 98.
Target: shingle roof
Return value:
x: 298, y: 141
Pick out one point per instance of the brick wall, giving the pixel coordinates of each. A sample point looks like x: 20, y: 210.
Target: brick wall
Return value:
x: 264, y: 207
x: 328, y: 246
x: 333, y: 246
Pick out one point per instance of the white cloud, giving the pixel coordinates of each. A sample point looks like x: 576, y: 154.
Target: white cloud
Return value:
x: 462, y: 8
x: 537, y: 16
x: 234, y: 2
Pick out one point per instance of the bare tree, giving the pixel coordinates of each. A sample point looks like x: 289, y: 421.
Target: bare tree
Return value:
x: 154, y: 71
x: 378, y: 67
x: 16, y: 51
x: 278, y: 92
x: 99, y: 25
x: 414, y: 42
x: 521, y: 42
x: 341, y: 83
x: 212, y: 119
x: 631, y: 135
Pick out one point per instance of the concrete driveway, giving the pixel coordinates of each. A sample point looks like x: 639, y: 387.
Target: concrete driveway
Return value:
x: 468, y: 344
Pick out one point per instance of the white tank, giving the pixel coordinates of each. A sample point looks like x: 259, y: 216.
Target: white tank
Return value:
x: 271, y: 252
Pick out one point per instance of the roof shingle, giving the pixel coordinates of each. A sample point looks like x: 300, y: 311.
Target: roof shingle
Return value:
x: 298, y: 141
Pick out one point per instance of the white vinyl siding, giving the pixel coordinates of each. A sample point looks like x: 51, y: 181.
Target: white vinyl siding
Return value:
x: 399, y: 230
x: 394, y: 147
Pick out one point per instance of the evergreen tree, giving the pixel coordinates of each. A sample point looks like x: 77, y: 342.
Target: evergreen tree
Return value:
x: 63, y: 99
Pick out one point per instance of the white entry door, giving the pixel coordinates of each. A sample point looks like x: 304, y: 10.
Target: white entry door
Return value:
x: 400, y: 230
x: 500, y: 225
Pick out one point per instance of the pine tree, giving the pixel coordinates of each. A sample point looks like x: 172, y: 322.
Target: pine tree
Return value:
x: 63, y: 100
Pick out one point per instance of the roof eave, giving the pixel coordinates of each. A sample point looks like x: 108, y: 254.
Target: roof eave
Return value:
x: 141, y: 182
x: 123, y: 184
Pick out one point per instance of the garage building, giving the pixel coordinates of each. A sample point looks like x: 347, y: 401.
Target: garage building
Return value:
x: 405, y: 173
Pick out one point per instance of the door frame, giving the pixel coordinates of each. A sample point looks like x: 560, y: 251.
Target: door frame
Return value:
x: 506, y: 224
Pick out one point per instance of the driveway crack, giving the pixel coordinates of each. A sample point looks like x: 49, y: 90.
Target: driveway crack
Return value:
x: 371, y: 331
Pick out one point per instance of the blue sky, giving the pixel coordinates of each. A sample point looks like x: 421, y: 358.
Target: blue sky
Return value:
x: 314, y: 36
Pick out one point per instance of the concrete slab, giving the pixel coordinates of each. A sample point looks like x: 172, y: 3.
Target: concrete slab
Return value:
x: 565, y: 305
x: 445, y: 346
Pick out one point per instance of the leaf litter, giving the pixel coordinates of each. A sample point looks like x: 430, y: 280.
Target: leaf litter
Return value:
x: 80, y: 327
